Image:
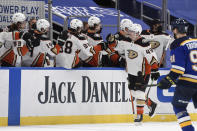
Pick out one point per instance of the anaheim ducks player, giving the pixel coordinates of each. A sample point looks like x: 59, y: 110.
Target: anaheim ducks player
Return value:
x: 99, y: 46
x: 159, y: 40
x: 136, y: 53
x: 75, y: 43
x: 12, y: 47
x: 115, y: 58
x: 44, y: 47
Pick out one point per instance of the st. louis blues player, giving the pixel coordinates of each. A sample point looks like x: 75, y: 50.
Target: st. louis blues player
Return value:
x: 183, y: 73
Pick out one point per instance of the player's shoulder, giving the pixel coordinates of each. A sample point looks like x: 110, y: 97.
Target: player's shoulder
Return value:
x: 142, y: 42
x: 180, y: 42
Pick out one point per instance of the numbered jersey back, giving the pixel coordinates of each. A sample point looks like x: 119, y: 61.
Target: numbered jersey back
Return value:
x: 184, y: 58
x: 68, y: 56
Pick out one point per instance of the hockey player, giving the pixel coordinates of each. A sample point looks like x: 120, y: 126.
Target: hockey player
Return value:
x: 72, y: 45
x: 42, y: 47
x: 116, y: 59
x: 95, y: 39
x: 183, y: 73
x: 12, y: 46
x: 159, y: 40
x: 136, y: 54
x: 150, y: 69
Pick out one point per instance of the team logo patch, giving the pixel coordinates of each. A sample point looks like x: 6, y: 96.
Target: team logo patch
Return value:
x: 154, y: 44
x: 132, y: 54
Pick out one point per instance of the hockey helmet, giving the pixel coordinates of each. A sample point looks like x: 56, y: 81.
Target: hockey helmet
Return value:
x: 180, y: 24
x: 76, y: 24
x: 18, y: 17
x: 42, y: 25
x: 92, y: 21
x: 125, y: 23
x: 137, y: 28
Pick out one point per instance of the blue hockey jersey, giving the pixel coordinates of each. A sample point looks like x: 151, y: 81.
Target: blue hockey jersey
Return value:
x: 184, y: 61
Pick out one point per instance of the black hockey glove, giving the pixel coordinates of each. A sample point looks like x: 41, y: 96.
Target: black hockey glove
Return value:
x: 166, y: 82
x: 140, y: 82
x: 110, y: 38
x: 155, y: 75
x: 104, y: 45
x: 31, y: 40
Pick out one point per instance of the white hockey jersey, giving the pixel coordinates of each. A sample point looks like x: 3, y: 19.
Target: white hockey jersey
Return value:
x: 159, y: 43
x: 12, y: 48
x: 68, y: 57
x: 37, y: 57
x: 88, y: 48
x: 135, y: 56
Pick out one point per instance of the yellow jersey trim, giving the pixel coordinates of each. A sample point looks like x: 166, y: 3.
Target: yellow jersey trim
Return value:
x: 186, y: 41
x: 188, y: 79
x: 177, y: 71
x: 184, y: 124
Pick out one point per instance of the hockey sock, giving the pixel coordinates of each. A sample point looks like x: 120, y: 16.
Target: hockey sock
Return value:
x: 140, y: 106
x: 184, y: 119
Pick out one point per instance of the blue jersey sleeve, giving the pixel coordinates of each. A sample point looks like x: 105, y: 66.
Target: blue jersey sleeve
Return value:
x: 178, y: 59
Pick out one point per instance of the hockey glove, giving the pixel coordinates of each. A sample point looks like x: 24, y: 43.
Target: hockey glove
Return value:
x: 31, y: 40
x: 110, y: 38
x: 166, y: 82
x: 104, y: 45
x: 155, y: 75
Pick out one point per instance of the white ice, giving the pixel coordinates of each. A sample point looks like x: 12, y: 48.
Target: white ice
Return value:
x: 148, y: 126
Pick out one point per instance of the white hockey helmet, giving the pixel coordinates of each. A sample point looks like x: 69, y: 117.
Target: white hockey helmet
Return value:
x: 42, y: 24
x: 125, y: 23
x: 76, y: 24
x: 137, y: 28
x: 18, y: 17
x: 92, y: 21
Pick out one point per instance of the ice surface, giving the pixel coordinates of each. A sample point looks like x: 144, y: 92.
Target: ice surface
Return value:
x: 148, y: 126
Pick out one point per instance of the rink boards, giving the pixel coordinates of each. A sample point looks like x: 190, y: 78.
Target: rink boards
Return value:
x: 35, y: 96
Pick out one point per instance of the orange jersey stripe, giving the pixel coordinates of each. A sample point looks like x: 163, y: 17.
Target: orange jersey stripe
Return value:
x: 39, y: 60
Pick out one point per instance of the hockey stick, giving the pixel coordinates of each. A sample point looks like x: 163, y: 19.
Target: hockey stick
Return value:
x: 148, y: 85
x: 132, y: 104
x: 150, y: 88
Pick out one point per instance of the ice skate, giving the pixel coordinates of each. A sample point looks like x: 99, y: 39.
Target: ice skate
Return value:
x: 138, y: 120
x: 152, y: 109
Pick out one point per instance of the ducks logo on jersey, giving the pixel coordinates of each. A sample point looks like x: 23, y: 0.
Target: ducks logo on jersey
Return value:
x: 154, y: 44
x: 132, y: 54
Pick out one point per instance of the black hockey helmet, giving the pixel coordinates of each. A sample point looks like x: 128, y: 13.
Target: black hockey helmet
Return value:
x: 180, y: 24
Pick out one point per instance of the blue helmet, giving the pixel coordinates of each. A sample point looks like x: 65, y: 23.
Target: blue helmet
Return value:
x: 180, y: 24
